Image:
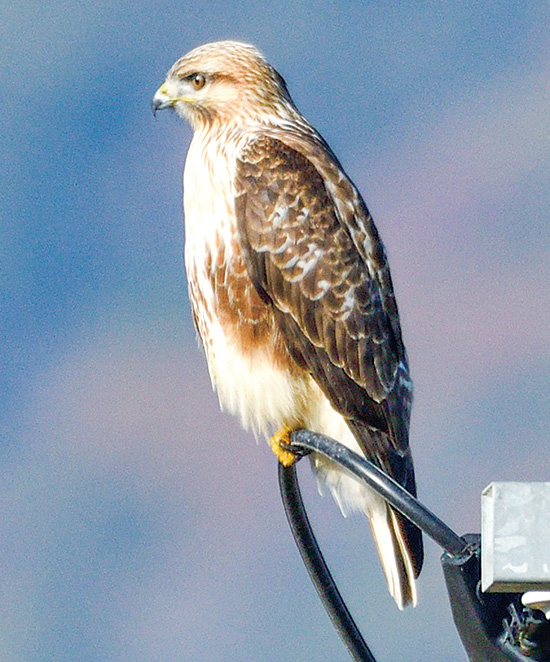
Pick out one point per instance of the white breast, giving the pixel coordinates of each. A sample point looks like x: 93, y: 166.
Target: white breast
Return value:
x: 248, y: 384
x: 208, y: 196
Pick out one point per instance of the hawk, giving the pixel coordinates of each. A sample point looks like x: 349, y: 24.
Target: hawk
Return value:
x: 290, y: 285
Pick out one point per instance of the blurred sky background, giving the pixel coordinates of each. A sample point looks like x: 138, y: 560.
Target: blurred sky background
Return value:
x: 137, y: 522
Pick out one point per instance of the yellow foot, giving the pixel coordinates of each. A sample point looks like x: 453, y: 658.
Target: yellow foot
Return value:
x: 282, y: 436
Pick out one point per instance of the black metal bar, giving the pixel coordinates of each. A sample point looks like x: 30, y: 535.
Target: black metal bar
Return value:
x: 493, y: 627
x: 393, y: 493
x: 317, y: 567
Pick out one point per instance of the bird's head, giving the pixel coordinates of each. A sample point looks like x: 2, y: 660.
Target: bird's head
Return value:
x: 222, y: 83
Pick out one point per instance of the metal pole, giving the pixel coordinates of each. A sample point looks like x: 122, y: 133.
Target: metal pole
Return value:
x: 392, y: 492
x: 317, y: 567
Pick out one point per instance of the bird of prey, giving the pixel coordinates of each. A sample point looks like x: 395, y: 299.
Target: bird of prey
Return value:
x: 290, y: 285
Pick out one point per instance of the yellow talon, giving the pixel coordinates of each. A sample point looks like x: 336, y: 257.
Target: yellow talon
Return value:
x: 282, y: 436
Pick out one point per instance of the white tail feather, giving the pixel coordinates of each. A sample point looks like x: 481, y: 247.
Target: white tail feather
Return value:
x: 394, y: 556
x: 352, y: 495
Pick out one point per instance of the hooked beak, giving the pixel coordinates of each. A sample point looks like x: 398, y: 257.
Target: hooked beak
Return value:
x: 162, y: 99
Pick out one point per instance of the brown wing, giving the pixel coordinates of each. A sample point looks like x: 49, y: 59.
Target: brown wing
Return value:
x: 331, y: 293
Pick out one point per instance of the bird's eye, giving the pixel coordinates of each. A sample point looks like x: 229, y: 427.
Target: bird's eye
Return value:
x: 198, y: 81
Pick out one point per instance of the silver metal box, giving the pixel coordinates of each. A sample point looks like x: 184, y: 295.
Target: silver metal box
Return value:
x: 515, y: 537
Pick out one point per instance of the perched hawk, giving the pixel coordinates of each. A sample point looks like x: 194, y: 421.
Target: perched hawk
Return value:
x: 290, y: 285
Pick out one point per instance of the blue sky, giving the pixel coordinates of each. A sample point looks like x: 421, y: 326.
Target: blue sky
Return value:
x: 139, y: 522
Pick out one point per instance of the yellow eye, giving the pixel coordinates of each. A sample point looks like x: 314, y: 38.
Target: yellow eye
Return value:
x: 198, y: 81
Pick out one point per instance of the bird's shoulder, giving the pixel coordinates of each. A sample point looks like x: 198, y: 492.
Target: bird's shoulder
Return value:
x: 297, y: 158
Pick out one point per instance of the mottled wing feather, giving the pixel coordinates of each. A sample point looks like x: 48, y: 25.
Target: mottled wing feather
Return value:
x: 304, y: 259
x: 325, y: 272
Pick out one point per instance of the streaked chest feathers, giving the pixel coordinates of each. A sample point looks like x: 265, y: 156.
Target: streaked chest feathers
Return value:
x: 247, y: 360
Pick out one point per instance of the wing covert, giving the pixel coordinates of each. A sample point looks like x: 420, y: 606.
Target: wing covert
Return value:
x: 334, y: 305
